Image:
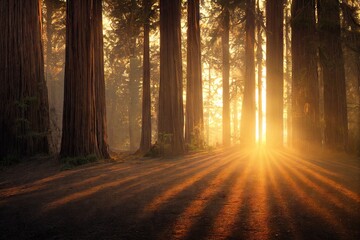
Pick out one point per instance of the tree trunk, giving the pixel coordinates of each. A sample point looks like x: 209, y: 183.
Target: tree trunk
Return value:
x: 171, y: 112
x: 305, y: 85
x: 133, y: 109
x: 84, y: 119
x: 259, y: 53
x: 332, y: 64
x: 225, y: 77
x: 145, y: 143
x: 248, y: 116
x: 194, y: 128
x: 24, y: 118
x: 274, y: 73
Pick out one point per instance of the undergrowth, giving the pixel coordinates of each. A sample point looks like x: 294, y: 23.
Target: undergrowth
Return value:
x: 71, y: 162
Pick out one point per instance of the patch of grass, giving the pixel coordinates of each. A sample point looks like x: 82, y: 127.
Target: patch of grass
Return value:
x: 71, y: 162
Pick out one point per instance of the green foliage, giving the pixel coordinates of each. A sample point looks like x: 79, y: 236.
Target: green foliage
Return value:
x: 161, y: 147
x: 71, y: 162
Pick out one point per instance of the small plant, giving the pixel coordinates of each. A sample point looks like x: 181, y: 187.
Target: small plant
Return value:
x: 161, y: 147
x: 71, y: 162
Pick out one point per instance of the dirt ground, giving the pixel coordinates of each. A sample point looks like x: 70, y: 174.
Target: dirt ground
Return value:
x: 223, y: 194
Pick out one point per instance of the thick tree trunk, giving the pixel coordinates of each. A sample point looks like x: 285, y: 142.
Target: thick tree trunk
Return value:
x: 24, y: 118
x: 274, y: 73
x: 248, y: 116
x: 305, y: 85
x: 225, y: 77
x: 332, y: 64
x: 84, y: 119
x: 171, y: 112
x: 145, y: 143
x: 194, y: 128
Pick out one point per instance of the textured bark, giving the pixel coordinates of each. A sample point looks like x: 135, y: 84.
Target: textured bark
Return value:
x: 171, y: 113
x: 305, y: 85
x: 248, y: 115
x: 274, y: 73
x: 194, y: 126
x: 225, y: 77
x: 145, y: 143
x: 84, y: 119
x: 24, y: 118
x: 332, y: 65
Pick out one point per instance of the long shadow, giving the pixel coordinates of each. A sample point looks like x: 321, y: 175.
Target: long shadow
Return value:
x: 157, y: 223
x: 314, y: 219
x: 131, y: 182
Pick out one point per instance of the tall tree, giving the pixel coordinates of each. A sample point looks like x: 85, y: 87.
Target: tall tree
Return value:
x: 84, y: 119
x: 145, y: 143
x: 24, y: 119
x: 248, y: 116
x: 134, y: 76
x: 194, y: 99
x: 259, y: 59
x: 274, y: 73
x: 171, y: 113
x: 226, y: 74
x: 332, y: 65
x: 305, y: 86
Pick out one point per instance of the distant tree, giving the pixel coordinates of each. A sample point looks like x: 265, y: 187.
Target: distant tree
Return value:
x: 171, y: 115
x: 305, y: 86
x: 226, y: 74
x: 194, y: 124
x: 54, y: 46
x: 24, y: 118
x: 274, y: 72
x: 145, y: 143
x: 84, y: 119
x: 332, y: 65
x: 248, y: 116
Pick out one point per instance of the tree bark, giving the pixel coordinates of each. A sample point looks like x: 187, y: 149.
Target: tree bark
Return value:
x: 84, y: 119
x: 225, y: 76
x: 305, y: 85
x: 248, y: 115
x: 24, y: 118
x: 145, y: 143
x: 274, y: 73
x: 332, y: 64
x: 171, y: 112
x: 194, y: 128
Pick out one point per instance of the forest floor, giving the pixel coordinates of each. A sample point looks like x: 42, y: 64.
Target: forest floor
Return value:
x: 222, y: 194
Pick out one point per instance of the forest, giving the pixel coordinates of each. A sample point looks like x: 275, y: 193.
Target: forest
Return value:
x: 170, y: 119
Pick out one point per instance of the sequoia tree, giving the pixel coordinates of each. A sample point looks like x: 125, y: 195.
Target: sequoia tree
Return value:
x: 84, y: 118
x: 332, y: 65
x: 194, y: 98
x: 305, y: 86
x: 226, y: 74
x: 145, y: 143
x: 247, y: 131
x: 24, y: 118
x: 274, y: 73
x: 171, y: 113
